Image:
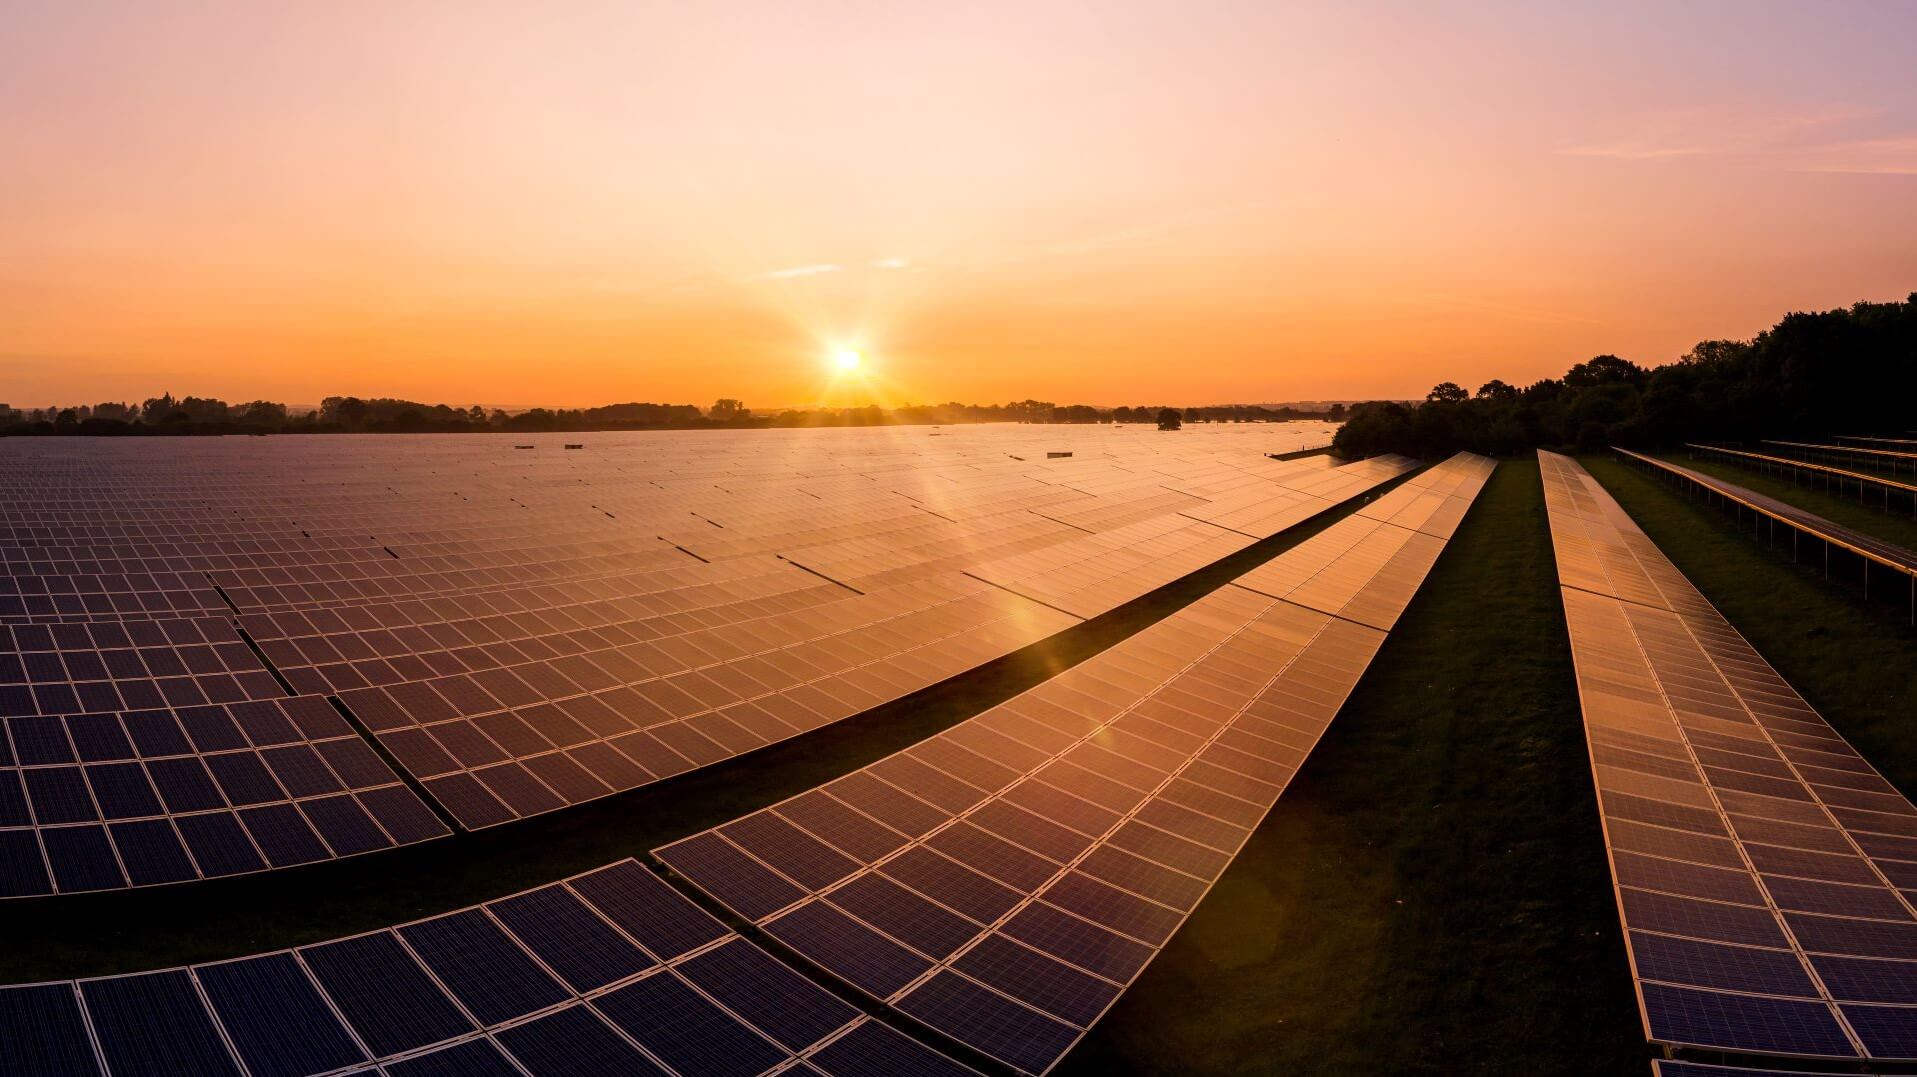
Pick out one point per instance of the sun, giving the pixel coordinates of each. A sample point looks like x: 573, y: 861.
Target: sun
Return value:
x: 847, y: 360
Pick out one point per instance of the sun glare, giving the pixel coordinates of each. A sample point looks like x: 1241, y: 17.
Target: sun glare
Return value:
x: 847, y: 360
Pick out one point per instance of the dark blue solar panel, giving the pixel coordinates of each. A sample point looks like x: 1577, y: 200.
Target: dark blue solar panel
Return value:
x: 99, y: 738
x: 1858, y: 979
x: 574, y: 1042
x: 123, y: 791
x: 1733, y: 968
x: 243, y: 778
x: 645, y: 907
x: 570, y: 938
x: 472, y: 1058
x: 59, y: 795
x: 861, y: 956
x: 151, y: 852
x: 40, y: 741
x: 82, y: 858
x: 1743, y: 1022
x: 989, y: 1022
x: 877, y: 1050
x: 13, y: 800
x: 156, y: 733
x: 739, y: 882
x: 344, y: 824
x: 1037, y: 980
x: 218, y: 844
x: 283, y: 835
x: 767, y: 994
x: 402, y: 813
x: 1080, y: 942
x: 155, y: 1026
x: 928, y: 928
x: 1887, y: 1031
x: 41, y: 1031
x: 385, y: 995
x: 185, y: 785
x: 686, y: 1031
x: 23, y: 871
x: 278, y: 1022
x: 482, y: 966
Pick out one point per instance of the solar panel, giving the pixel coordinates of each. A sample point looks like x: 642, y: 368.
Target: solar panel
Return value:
x: 1668, y: 1068
x: 1005, y: 880
x: 1888, y: 554
x: 1765, y: 872
x: 608, y: 972
x: 523, y: 632
x: 103, y: 800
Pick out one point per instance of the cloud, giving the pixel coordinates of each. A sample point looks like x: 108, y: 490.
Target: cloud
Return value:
x: 791, y: 272
x: 1774, y: 138
x: 1633, y: 151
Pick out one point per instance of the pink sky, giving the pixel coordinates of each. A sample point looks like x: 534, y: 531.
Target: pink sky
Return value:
x: 1109, y: 203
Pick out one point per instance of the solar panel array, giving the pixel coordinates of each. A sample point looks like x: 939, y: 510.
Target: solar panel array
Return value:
x: 1766, y: 875
x: 139, y: 752
x: 608, y: 972
x: 1888, y: 554
x: 522, y: 631
x: 1003, y: 881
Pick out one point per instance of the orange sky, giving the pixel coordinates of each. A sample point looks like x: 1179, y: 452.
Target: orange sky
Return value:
x: 1112, y: 203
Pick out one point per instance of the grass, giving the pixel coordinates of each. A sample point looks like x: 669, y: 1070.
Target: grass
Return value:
x: 131, y: 930
x: 1430, y: 895
x: 1898, y: 525
x: 1852, y: 660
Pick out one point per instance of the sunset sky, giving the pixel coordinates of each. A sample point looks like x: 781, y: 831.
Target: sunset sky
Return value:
x: 1111, y: 203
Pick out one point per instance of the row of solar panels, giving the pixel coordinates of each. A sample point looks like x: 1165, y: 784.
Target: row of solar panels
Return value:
x: 285, y: 531
x: 1028, y: 862
x: 608, y: 972
x: 1003, y: 881
x: 123, y: 765
x: 1766, y: 875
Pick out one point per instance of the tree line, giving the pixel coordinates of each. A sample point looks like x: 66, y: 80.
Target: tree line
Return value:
x: 167, y: 414
x: 1839, y: 371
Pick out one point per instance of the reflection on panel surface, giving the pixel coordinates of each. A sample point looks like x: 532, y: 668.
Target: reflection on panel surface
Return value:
x: 1005, y: 880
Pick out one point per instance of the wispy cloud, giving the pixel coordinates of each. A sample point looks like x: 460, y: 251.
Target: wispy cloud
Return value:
x: 791, y: 272
x: 1832, y: 138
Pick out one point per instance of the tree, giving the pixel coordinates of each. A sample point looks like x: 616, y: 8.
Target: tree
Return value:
x: 728, y: 410
x: 1169, y: 419
x: 1497, y: 389
x: 1447, y: 392
x: 263, y: 413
